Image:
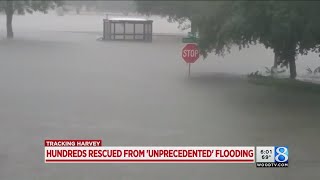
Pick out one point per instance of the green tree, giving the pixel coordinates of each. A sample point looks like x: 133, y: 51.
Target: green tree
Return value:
x: 289, y: 28
x: 176, y: 11
x: 103, y: 6
x: 21, y: 7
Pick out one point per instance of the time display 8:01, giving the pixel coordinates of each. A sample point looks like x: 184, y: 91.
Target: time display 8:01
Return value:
x: 266, y: 151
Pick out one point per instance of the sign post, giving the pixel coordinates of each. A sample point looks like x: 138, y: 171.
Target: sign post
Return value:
x: 191, y: 38
x: 190, y: 53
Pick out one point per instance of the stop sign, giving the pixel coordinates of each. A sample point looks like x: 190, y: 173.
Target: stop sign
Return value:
x: 190, y: 53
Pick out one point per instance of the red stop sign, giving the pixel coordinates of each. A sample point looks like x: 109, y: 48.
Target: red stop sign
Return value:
x: 190, y: 53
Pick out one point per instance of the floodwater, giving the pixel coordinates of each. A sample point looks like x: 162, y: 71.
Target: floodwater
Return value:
x: 67, y: 85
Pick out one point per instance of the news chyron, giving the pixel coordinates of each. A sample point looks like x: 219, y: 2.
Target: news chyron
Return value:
x: 92, y: 151
x: 272, y: 156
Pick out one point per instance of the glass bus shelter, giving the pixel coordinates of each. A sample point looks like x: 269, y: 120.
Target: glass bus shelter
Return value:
x: 130, y: 29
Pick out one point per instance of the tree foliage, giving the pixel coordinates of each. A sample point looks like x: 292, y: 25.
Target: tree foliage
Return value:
x: 29, y: 6
x: 175, y: 11
x: 25, y: 6
x: 288, y: 27
x: 103, y: 6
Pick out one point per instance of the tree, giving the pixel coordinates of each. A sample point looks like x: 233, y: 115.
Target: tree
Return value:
x: 176, y: 11
x: 21, y: 7
x: 289, y: 28
x: 103, y: 6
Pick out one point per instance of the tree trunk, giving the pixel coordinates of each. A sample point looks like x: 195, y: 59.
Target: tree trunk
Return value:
x: 276, y: 57
x: 291, y: 59
x: 292, y: 65
x: 289, y: 55
x: 9, y: 14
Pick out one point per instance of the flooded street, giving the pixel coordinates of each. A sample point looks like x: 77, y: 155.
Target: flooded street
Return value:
x: 64, y: 85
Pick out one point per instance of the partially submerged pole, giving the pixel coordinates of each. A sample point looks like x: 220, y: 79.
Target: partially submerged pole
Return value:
x: 189, y: 70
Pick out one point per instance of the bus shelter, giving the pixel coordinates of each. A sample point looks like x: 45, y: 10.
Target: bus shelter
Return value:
x: 130, y: 29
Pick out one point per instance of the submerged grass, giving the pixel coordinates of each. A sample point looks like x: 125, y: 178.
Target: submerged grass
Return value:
x: 285, y: 84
